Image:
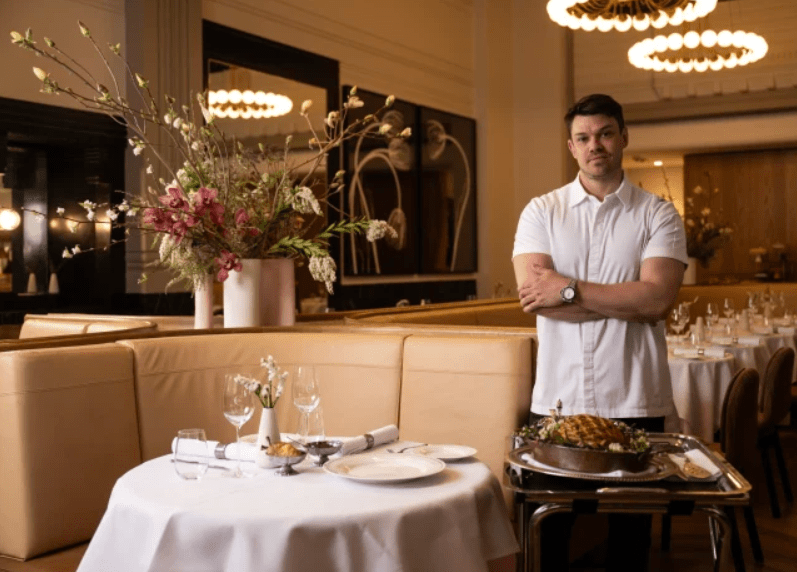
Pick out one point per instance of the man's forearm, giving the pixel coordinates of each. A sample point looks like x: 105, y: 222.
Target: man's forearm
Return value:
x: 631, y: 301
x: 570, y: 313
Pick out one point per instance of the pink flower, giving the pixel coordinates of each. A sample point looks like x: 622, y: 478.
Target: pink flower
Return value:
x: 174, y: 199
x: 178, y: 231
x: 227, y: 261
x: 205, y: 200
x: 241, y: 216
x: 158, y: 218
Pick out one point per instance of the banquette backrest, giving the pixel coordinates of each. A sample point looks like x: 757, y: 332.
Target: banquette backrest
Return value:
x: 75, y: 418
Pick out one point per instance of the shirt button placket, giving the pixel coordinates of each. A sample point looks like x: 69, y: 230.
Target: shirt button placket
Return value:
x: 593, y: 275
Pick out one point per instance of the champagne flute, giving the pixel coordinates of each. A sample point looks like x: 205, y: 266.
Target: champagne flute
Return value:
x: 306, y: 395
x: 239, y: 406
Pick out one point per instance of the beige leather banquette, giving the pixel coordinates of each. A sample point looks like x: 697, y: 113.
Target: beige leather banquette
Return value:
x: 48, y: 325
x: 503, y: 312
x: 75, y: 418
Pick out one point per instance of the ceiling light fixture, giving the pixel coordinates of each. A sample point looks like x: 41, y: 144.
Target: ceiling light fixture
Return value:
x: 698, y: 51
x: 623, y: 15
x: 236, y: 104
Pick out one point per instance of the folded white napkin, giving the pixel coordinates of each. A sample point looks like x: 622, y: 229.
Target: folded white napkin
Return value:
x: 700, y: 459
x: 722, y: 340
x: 750, y: 340
x: 229, y: 450
x: 714, y: 352
x: 763, y: 330
x: 380, y: 436
x: 686, y: 352
x: 790, y: 330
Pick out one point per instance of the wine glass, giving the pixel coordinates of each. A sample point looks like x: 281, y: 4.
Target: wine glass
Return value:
x: 683, y: 314
x: 306, y: 395
x: 315, y: 425
x: 239, y: 405
x: 191, y: 454
x: 675, y: 321
x: 727, y: 308
x: 712, y: 314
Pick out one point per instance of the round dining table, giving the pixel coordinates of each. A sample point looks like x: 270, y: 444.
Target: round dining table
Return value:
x: 456, y: 519
x: 699, y: 385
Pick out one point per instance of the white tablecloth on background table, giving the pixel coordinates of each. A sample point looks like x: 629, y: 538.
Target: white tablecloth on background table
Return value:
x: 698, y: 387
x: 454, y: 520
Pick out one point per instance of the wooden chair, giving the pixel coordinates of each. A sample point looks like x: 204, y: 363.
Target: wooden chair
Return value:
x: 773, y: 406
x: 738, y: 437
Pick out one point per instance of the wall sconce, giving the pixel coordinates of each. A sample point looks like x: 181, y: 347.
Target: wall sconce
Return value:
x: 9, y: 219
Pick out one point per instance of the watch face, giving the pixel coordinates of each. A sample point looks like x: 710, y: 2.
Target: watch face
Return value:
x: 568, y: 293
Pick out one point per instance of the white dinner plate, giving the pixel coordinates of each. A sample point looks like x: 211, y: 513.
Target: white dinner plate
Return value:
x: 384, y: 467
x: 444, y: 452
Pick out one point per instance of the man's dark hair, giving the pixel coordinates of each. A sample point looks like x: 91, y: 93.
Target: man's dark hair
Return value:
x: 595, y: 104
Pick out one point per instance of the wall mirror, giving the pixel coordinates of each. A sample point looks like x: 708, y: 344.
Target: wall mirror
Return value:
x: 256, y: 87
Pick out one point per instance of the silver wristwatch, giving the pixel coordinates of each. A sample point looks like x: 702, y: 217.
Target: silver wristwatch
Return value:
x: 568, y: 293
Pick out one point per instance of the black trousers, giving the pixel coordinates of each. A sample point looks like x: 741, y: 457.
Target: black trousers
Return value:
x: 629, y: 534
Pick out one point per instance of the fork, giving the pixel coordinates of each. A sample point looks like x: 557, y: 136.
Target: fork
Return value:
x: 407, y: 447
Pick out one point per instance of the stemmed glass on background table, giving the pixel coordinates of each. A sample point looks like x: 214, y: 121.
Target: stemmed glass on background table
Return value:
x: 306, y: 395
x: 679, y: 318
x: 712, y: 314
x: 239, y: 406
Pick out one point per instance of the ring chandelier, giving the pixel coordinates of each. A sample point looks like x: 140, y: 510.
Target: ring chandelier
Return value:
x: 698, y: 51
x: 248, y: 104
x: 622, y: 15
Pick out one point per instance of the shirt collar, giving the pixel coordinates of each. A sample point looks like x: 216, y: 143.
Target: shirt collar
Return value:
x: 579, y: 195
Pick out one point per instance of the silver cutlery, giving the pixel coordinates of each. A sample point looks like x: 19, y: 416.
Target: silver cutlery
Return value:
x: 209, y: 466
x: 406, y: 448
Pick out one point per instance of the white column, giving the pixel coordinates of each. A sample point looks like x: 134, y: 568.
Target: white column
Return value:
x: 523, y: 87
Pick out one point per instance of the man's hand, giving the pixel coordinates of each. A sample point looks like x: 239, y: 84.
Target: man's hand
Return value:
x: 542, y: 288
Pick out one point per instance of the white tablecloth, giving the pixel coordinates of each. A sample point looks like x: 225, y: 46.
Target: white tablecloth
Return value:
x: 698, y: 387
x: 155, y: 521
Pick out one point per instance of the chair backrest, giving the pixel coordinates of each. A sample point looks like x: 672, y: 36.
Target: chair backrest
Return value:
x: 775, y: 394
x: 739, y: 422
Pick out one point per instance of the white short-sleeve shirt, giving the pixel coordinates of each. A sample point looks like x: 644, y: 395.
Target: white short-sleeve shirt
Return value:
x: 609, y: 367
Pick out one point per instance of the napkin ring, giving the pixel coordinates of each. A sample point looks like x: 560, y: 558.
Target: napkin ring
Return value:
x: 219, y: 451
x: 369, y: 440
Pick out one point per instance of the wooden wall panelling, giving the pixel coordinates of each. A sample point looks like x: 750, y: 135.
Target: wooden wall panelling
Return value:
x: 758, y: 196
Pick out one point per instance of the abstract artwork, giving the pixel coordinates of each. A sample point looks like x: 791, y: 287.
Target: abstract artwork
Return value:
x: 423, y: 186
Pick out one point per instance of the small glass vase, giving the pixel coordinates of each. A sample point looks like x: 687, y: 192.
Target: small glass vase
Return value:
x: 268, y: 431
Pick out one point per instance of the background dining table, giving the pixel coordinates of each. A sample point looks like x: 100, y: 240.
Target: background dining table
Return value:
x: 699, y: 385
x: 456, y: 519
x: 699, y: 382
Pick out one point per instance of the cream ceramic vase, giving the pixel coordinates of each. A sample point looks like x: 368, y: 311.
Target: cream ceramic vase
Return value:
x: 268, y: 432
x: 263, y: 293
x: 203, y: 304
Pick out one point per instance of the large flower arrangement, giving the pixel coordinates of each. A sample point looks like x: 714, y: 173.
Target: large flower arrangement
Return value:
x: 224, y: 202
x: 705, y: 233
